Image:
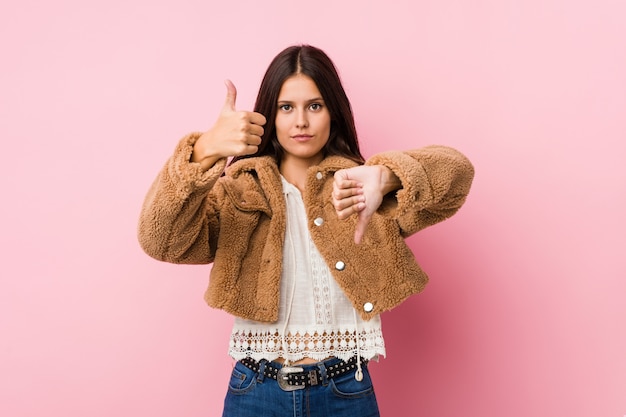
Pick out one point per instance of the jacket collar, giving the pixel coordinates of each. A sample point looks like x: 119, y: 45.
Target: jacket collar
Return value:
x: 263, y: 163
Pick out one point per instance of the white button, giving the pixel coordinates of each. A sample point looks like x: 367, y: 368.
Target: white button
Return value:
x: 319, y: 221
x: 368, y: 307
x: 340, y: 266
x: 319, y: 176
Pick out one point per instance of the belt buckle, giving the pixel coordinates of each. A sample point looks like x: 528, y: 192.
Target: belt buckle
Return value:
x: 283, y: 378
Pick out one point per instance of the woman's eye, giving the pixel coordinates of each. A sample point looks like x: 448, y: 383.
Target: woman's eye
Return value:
x: 285, y: 107
x: 315, y: 106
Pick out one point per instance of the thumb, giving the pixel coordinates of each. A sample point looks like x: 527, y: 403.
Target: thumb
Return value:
x: 361, y: 225
x: 231, y: 96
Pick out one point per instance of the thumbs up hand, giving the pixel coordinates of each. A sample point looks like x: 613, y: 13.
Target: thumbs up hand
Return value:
x: 235, y: 133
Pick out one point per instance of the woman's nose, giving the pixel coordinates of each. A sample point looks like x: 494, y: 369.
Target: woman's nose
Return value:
x: 302, y: 120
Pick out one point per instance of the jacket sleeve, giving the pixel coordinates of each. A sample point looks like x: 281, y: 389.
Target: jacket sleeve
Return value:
x: 179, y: 219
x: 435, y: 183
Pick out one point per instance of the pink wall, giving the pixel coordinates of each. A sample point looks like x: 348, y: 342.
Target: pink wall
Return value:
x: 525, y: 313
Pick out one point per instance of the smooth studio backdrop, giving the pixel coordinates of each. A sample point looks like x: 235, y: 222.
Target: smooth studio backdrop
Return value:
x: 525, y: 312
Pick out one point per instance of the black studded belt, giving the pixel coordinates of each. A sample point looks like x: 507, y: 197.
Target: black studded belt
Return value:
x: 291, y: 378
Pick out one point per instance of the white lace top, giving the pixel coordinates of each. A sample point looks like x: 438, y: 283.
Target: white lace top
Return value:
x: 315, y: 318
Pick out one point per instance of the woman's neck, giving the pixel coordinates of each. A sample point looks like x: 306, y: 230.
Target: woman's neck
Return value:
x: 294, y: 171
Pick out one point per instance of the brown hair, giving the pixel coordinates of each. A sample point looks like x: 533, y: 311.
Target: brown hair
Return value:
x: 313, y: 62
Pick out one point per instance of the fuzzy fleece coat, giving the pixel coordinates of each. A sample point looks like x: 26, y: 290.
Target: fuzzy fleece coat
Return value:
x: 237, y: 222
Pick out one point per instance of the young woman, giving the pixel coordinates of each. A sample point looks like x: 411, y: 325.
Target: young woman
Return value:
x: 305, y: 236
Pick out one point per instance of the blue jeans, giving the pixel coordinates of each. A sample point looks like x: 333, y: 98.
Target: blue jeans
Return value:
x: 253, y: 395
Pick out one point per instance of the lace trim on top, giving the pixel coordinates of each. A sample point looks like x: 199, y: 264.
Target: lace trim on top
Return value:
x: 319, y: 346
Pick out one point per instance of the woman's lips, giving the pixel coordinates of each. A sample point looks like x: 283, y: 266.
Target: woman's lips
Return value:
x: 302, y: 138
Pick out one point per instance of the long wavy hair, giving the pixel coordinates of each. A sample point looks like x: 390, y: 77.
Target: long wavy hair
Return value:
x: 313, y: 62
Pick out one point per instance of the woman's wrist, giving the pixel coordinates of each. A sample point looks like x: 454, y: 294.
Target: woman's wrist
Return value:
x: 389, y: 181
x: 200, y: 155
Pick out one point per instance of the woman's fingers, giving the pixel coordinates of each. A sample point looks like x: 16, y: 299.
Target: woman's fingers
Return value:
x: 358, y: 190
x: 255, y: 130
x: 348, y: 198
x: 345, y: 209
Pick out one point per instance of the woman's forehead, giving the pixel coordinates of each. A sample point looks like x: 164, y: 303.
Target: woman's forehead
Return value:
x: 299, y: 87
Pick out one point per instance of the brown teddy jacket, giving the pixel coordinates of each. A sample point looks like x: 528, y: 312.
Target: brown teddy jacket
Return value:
x: 237, y: 222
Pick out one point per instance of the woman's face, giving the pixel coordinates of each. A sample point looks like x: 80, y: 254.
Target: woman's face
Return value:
x: 302, y: 121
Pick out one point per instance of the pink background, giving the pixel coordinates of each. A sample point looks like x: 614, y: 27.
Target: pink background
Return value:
x: 525, y: 313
